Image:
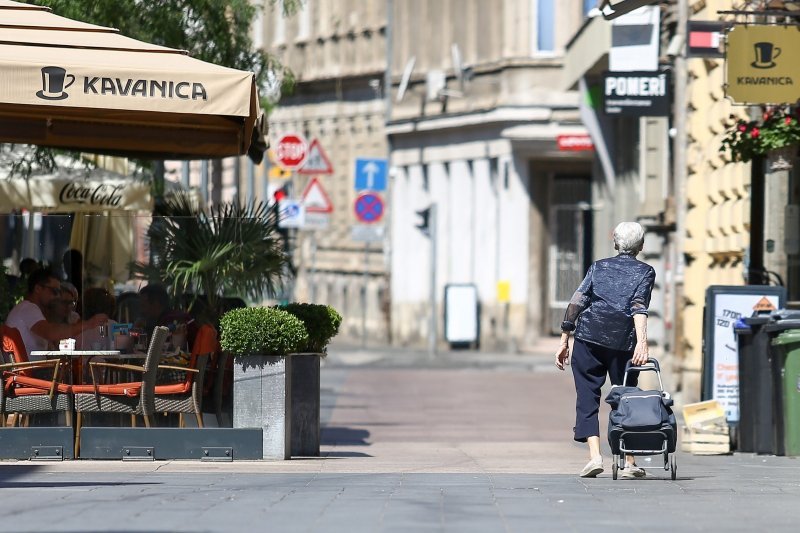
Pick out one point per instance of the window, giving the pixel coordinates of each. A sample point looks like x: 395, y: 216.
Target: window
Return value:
x: 304, y: 21
x: 588, y: 5
x: 258, y: 28
x: 279, y: 24
x: 545, y: 25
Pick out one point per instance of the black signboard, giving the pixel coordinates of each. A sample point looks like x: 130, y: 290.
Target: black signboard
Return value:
x: 637, y: 93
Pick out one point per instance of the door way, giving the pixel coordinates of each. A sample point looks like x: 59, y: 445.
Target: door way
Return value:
x: 570, y: 225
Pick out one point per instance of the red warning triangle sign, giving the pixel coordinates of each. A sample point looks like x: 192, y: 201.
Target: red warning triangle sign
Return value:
x: 764, y: 305
x: 317, y: 161
x: 315, y: 199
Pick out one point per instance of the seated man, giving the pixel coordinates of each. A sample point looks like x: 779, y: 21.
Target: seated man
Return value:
x: 28, y: 315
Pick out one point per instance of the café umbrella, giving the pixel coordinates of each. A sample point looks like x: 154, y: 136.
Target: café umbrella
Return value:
x: 109, y: 211
x: 70, y: 84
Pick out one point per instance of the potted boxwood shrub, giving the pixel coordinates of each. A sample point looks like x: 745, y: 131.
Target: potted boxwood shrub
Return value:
x: 322, y: 324
x: 259, y: 339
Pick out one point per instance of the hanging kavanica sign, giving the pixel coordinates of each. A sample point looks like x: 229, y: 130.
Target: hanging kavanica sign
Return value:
x: 640, y: 93
x: 763, y: 64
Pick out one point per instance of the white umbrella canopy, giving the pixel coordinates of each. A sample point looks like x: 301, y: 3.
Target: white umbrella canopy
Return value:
x: 70, y: 84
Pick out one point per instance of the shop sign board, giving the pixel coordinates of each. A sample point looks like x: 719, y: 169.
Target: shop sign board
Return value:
x: 642, y: 93
x: 763, y: 64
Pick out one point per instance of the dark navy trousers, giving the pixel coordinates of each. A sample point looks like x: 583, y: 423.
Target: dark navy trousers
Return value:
x: 590, y: 364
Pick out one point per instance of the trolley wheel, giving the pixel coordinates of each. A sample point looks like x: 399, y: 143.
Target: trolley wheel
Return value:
x: 666, y: 461
x: 673, y: 467
x: 614, y: 469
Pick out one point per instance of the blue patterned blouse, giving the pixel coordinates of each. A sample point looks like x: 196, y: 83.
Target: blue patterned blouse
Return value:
x: 613, y: 290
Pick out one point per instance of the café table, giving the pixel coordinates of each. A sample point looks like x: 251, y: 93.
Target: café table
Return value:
x: 88, y: 354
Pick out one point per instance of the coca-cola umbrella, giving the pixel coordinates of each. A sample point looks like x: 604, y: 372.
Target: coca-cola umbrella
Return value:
x: 110, y: 211
x: 70, y: 84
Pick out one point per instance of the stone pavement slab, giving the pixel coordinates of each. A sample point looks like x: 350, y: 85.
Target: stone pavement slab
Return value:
x: 480, y: 443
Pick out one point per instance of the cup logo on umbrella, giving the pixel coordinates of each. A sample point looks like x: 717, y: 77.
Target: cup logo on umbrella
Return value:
x: 53, y: 86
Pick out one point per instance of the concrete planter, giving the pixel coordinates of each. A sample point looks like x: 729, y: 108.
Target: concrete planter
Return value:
x: 262, y: 389
x: 305, y: 406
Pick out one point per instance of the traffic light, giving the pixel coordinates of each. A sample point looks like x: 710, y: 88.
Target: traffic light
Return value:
x: 425, y: 219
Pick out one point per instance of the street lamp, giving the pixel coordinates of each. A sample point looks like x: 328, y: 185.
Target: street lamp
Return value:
x: 612, y: 9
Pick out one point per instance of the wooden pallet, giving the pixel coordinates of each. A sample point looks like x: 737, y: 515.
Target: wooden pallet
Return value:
x: 706, y: 431
x: 714, y: 441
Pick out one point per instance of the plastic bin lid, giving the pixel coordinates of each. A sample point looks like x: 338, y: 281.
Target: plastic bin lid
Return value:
x: 791, y: 336
x: 783, y: 325
x: 786, y: 314
x: 759, y: 320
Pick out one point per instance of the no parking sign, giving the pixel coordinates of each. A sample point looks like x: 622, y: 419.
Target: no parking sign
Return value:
x: 369, y: 207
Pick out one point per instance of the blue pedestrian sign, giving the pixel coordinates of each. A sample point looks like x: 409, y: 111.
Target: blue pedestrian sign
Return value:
x: 371, y: 174
x: 369, y: 207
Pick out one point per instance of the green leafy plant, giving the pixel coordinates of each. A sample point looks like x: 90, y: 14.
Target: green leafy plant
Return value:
x: 261, y: 331
x: 321, y: 322
x: 777, y: 129
x: 233, y: 250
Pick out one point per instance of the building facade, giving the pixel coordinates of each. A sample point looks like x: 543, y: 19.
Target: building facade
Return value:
x: 472, y: 123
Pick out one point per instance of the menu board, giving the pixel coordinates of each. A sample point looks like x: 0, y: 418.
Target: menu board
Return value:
x: 724, y: 306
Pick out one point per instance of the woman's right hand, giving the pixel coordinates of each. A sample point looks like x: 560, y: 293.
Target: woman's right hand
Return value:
x: 562, y: 356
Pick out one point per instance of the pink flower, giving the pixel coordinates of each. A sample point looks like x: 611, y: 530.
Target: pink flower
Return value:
x: 754, y: 133
x: 788, y: 121
x: 743, y: 127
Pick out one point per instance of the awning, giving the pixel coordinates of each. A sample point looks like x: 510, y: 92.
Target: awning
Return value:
x: 69, y: 84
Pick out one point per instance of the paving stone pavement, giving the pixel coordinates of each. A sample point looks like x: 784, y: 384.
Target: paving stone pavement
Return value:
x: 461, y: 442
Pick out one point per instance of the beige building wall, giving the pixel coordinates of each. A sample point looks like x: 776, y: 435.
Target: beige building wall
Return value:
x: 336, y: 50
x: 717, y: 218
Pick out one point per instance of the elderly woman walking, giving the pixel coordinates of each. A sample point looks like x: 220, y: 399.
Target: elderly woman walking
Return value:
x: 608, y: 314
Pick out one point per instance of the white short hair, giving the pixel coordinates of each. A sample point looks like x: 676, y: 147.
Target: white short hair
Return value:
x: 629, y: 237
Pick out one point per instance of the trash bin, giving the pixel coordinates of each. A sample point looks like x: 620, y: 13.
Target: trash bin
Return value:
x: 755, y: 432
x: 786, y: 355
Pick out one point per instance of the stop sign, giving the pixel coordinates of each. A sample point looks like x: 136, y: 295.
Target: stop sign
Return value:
x: 291, y: 151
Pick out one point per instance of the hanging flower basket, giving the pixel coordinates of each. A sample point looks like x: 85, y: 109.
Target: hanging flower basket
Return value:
x: 779, y: 129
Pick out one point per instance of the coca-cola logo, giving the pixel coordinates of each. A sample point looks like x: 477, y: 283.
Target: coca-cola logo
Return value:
x: 101, y: 195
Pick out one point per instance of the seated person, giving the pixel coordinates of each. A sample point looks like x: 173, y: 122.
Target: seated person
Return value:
x: 155, y: 308
x: 62, y: 310
x: 97, y: 300
x: 28, y: 315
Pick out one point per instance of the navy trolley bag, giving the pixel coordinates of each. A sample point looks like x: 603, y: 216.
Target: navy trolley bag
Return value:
x: 641, y: 422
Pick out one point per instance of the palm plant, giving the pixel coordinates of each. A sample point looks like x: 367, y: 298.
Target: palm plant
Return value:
x: 234, y: 250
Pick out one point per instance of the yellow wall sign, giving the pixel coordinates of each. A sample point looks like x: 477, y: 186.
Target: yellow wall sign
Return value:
x: 763, y: 64
x: 503, y: 291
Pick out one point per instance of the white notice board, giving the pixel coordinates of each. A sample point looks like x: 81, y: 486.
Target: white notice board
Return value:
x: 461, y: 313
x: 724, y: 306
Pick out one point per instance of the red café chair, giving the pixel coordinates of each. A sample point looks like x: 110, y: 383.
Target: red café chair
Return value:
x: 186, y: 395
x: 23, y: 394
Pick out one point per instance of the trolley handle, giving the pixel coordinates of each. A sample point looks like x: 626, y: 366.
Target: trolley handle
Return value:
x: 651, y: 364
